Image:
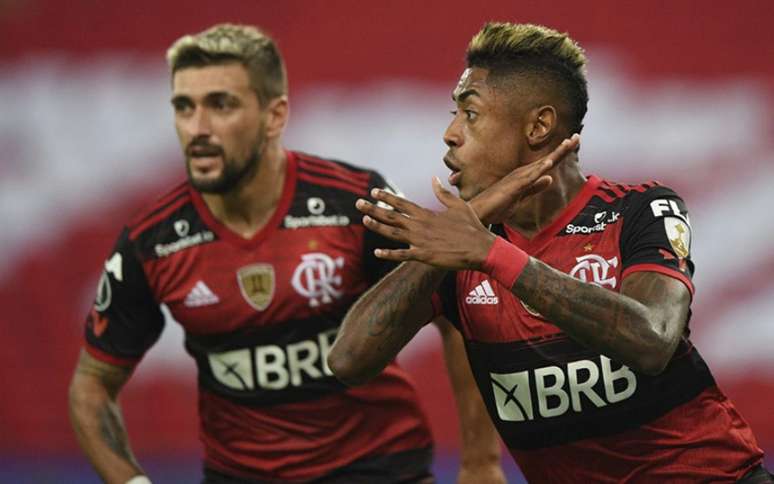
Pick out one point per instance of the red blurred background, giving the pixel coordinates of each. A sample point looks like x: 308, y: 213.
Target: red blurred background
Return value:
x: 680, y: 92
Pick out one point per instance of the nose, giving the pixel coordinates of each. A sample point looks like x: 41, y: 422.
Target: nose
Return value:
x: 196, y: 123
x: 452, y: 136
x: 202, y: 123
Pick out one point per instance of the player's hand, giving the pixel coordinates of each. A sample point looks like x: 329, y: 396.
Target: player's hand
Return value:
x: 483, y: 474
x: 451, y: 239
x: 494, y: 204
x: 455, y: 238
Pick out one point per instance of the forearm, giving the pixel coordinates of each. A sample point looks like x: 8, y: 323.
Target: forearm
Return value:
x: 382, y: 321
x: 612, y: 323
x: 480, y: 446
x: 98, y: 424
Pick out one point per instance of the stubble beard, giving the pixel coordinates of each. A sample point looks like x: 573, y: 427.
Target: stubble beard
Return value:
x: 234, y: 174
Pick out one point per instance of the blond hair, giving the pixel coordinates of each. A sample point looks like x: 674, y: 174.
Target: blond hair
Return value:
x: 550, y: 58
x: 224, y: 43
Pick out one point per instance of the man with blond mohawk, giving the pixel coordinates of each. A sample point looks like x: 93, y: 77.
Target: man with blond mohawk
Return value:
x: 258, y: 255
x: 573, y: 303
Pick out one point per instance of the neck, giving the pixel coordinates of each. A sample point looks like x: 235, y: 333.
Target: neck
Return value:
x: 248, y: 207
x: 536, y: 212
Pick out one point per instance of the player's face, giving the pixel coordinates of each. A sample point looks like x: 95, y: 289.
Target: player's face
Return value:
x: 220, y: 125
x: 483, y: 137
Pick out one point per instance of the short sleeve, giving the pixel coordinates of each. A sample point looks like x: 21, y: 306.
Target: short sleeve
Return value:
x: 376, y: 268
x: 656, y: 235
x: 445, y: 300
x: 126, y: 319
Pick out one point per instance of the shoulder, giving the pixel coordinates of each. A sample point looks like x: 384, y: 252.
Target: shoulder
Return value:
x: 169, y: 224
x: 634, y: 199
x: 337, y: 174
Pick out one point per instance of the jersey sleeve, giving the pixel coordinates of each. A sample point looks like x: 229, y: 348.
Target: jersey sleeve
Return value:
x: 126, y: 319
x: 656, y: 235
x: 445, y: 300
x: 376, y: 268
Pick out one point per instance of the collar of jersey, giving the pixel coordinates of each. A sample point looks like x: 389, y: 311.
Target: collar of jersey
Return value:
x: 226, y: 234
x: 547, y: 233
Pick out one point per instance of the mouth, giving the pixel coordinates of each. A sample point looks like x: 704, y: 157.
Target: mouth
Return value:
x: 456, y: 173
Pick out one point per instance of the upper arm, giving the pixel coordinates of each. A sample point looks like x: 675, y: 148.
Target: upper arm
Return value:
x: 125, y: 319
x: 92, y: 375
x: 667, y: 299
x: 656, y: 259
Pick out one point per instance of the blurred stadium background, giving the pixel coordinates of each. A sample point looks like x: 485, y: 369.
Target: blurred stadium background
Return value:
x: 681, y: 92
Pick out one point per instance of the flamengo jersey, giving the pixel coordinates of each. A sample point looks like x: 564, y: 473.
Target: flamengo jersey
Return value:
x: 570, y: 414
x: 260, y: 316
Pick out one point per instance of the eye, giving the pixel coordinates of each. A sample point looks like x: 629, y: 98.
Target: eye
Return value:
x: 453, y: 112
x: 470, y: 115
x: 181, y: 106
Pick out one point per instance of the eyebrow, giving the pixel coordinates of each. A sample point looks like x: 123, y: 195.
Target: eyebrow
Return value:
x: 464, y: 95
x: 207, y: 97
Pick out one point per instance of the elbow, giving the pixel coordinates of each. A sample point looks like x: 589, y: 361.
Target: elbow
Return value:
x: 654, y: 361
x: 346, y: 370
x: 651, y: 365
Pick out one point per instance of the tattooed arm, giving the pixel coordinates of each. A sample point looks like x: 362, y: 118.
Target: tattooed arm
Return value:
x: 640, y: 326
x: 382, y: 321
x: 389, y: 314
x: 96, y: 418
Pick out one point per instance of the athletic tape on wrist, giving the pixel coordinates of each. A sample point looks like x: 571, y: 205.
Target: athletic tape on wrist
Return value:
x: 504, y: 262
x: 139, y: 480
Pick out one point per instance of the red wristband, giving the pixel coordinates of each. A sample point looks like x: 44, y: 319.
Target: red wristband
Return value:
x: 504, y: 262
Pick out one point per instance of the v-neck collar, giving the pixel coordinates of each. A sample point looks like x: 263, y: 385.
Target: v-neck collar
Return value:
x: 228, y: 235
x: 567, y: 214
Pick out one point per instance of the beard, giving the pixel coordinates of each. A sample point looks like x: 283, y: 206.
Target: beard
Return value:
x: 234, y: 173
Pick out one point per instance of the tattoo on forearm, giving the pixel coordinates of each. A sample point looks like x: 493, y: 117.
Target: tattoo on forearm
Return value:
x: 592, y: 315
x: 381, y: 320
x: 112, y: 431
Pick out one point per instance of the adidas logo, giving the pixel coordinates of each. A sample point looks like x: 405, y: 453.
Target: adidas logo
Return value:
x: 482, y: 294
x: 200, y: 295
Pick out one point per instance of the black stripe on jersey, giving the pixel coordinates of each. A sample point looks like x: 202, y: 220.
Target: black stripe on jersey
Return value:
x: 173, y: 232
x: 271, y: 365
x: 334, y: 170
x: 180, y: 191
x: 542, y: 396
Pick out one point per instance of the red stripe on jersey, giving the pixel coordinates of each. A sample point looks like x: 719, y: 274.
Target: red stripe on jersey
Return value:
x: 329, y: 182
x: 604, y: 195
x: 333, y: 172
x: 108, y: 358
x: 302, y: 441
x: 159, y: 216
x: 662, y: 270
x: 703, y: 440
x: 617, y: 190
x: 331, y: 165
x: 159, y: 204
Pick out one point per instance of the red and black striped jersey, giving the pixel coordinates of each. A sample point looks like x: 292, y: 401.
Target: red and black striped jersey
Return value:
x: 570, y: 414
x: 260, y: 316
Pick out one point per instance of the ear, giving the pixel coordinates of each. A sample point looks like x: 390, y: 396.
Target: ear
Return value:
x: 277, y: 114
x: 540, y: 125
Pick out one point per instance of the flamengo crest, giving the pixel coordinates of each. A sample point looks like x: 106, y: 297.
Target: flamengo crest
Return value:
x: 316, y: 279
x: 594, y: 269
x: 256, y: 282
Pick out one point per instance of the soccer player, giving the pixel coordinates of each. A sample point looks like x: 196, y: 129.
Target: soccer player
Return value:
x: 574, y: 305
x: 258, y: 255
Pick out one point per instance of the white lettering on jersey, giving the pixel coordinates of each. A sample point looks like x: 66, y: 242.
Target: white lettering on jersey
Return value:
x: 163, y: 250
x: 316, y: 278
x: 114, y: 266
x: 663, y: 207
x: 557, y: 390
x: 276, y: 368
